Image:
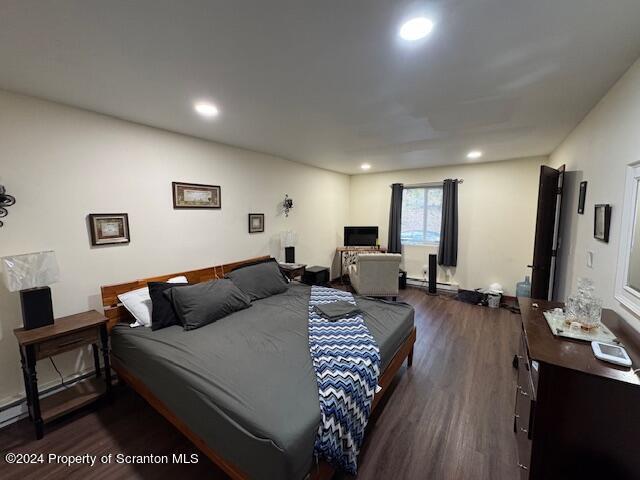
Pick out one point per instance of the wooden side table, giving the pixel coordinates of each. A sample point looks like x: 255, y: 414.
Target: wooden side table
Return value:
x: 67, y: 333
x: 292, y: 271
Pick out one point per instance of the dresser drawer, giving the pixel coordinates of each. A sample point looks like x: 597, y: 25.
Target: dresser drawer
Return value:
x: 524, y: 454
x: 527, y: 377
x: 64, y: 343
x: 524, y: 409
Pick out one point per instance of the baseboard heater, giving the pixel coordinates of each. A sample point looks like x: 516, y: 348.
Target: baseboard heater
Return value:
x: 421, y: 282
x: 17, y: 409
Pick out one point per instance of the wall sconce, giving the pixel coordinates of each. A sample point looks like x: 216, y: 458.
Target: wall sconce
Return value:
x: 6, y: 200
x: 287, y: 205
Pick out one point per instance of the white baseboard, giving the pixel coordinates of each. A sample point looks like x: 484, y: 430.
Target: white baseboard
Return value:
x: 16, y: 410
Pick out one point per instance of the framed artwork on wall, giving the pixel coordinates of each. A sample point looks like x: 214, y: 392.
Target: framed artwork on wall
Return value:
x: 109, y: 228
x: 602, y: 222
x: 256, y: 222
x: 582, y: 198
x: 195, y: 195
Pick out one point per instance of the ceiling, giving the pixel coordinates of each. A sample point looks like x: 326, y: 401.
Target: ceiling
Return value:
x: 329, y: 83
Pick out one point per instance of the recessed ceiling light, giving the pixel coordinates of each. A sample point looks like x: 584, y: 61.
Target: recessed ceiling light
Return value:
x: 365, y: 166
x: 206, y: 109
x: 474, y: 154
x: 415, y: 29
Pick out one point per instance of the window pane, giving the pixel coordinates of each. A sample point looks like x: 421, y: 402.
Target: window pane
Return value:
x: 413, y: 218
x: 421, y: 215
x: 434, y: 215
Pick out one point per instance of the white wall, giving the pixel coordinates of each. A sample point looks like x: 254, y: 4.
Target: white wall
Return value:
x: 497, y: 214
x: 598, y: 151
x: 62, y: 164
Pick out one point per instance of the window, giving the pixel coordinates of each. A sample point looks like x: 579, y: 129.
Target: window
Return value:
x: 421, y: 215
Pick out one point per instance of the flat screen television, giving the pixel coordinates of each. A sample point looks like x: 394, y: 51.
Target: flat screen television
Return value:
x: 360, y: 236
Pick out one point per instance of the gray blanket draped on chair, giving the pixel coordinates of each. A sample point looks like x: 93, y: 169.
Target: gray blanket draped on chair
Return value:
x: 448, y: 250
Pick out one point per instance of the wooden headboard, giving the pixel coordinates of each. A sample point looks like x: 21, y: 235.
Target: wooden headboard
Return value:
x: 116, y: 312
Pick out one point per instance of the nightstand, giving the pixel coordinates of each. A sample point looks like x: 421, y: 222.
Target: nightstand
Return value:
x: 67, y: 333
x: 292, y: 270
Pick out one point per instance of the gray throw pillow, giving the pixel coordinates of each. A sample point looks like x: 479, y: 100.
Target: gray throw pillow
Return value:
x: 203, y: 303
x: 260, y: 280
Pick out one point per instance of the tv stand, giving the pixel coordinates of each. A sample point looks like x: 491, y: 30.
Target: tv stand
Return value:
x: 352, y: 252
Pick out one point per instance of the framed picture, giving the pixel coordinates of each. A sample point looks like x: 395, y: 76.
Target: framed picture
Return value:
x: 582, y: 198
x: 195, y: 195
x: 109, y: 228
x: 256, y: 222
x: 602, y: 222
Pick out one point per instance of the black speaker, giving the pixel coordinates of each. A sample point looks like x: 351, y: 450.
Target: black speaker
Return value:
x: 290, y: 254
x: 433, y: 271
x: 37, y: 309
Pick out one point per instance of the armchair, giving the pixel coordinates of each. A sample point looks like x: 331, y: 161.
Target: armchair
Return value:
x: 376, y: 274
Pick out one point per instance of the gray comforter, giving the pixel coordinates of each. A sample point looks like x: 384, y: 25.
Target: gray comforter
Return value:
x: 245, y: 384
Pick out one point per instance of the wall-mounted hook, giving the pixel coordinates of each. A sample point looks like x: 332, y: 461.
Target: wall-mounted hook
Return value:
x: 6, y: 200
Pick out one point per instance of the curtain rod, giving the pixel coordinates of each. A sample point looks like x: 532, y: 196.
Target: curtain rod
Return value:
x: 428, y: 184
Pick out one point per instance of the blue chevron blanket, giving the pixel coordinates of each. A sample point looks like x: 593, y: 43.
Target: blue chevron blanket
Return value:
x: 346, y: 359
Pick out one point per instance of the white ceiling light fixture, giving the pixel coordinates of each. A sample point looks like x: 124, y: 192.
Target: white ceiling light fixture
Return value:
x: 365, y: 166
x: 473, y: 154
x: 206, y: 109
x: 415, y: 29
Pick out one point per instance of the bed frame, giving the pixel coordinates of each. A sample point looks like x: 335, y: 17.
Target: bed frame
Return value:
x: 116, y: 313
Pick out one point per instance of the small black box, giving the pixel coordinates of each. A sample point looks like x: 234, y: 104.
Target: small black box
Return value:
x: 402, y: 280
x: 37, y: 309
x: 316, y: 275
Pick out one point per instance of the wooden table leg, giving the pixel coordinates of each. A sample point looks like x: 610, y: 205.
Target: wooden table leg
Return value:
x: 104, y: 339
x: 32, y: 389
x: 25, y: 378
x: 96, y: 360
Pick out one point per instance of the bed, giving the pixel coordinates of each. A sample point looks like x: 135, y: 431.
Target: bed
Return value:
x: 243, y: 389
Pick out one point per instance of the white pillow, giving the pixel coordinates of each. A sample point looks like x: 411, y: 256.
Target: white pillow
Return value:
x: 138, y: 303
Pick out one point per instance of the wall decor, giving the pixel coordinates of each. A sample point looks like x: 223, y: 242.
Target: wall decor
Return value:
x: 256, y: 222
x: 602, y: 222
x: 582, y: 198
x: 6, y: 200
x: 109, y: 228
x: 287, y: 205
x: 195, y: 195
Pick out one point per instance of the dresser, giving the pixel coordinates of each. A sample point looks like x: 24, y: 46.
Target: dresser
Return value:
x: 575, y: 416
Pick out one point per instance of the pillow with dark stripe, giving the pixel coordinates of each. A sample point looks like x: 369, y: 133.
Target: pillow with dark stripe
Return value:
x: 162, y: 311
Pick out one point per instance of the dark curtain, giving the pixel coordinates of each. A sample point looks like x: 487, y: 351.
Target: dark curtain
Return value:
x: 448, y: 251
x: 395, y: 219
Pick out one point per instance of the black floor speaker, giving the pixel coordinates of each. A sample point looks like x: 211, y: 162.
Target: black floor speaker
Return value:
x: 37, y: 309
x: 290, y: 254
x: 433, y: 271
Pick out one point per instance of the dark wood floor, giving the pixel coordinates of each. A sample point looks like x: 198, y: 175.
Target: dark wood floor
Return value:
x: 448, y: 417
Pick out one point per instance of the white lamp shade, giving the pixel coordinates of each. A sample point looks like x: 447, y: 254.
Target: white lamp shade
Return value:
x: 31, y: 270
x: 289, y: 238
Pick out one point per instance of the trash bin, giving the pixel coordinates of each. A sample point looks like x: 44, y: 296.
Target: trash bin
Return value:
x: 493, y: 299
x: 494, y: 295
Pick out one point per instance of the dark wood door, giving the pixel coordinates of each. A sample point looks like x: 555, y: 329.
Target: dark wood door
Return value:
x: 547, y: 232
